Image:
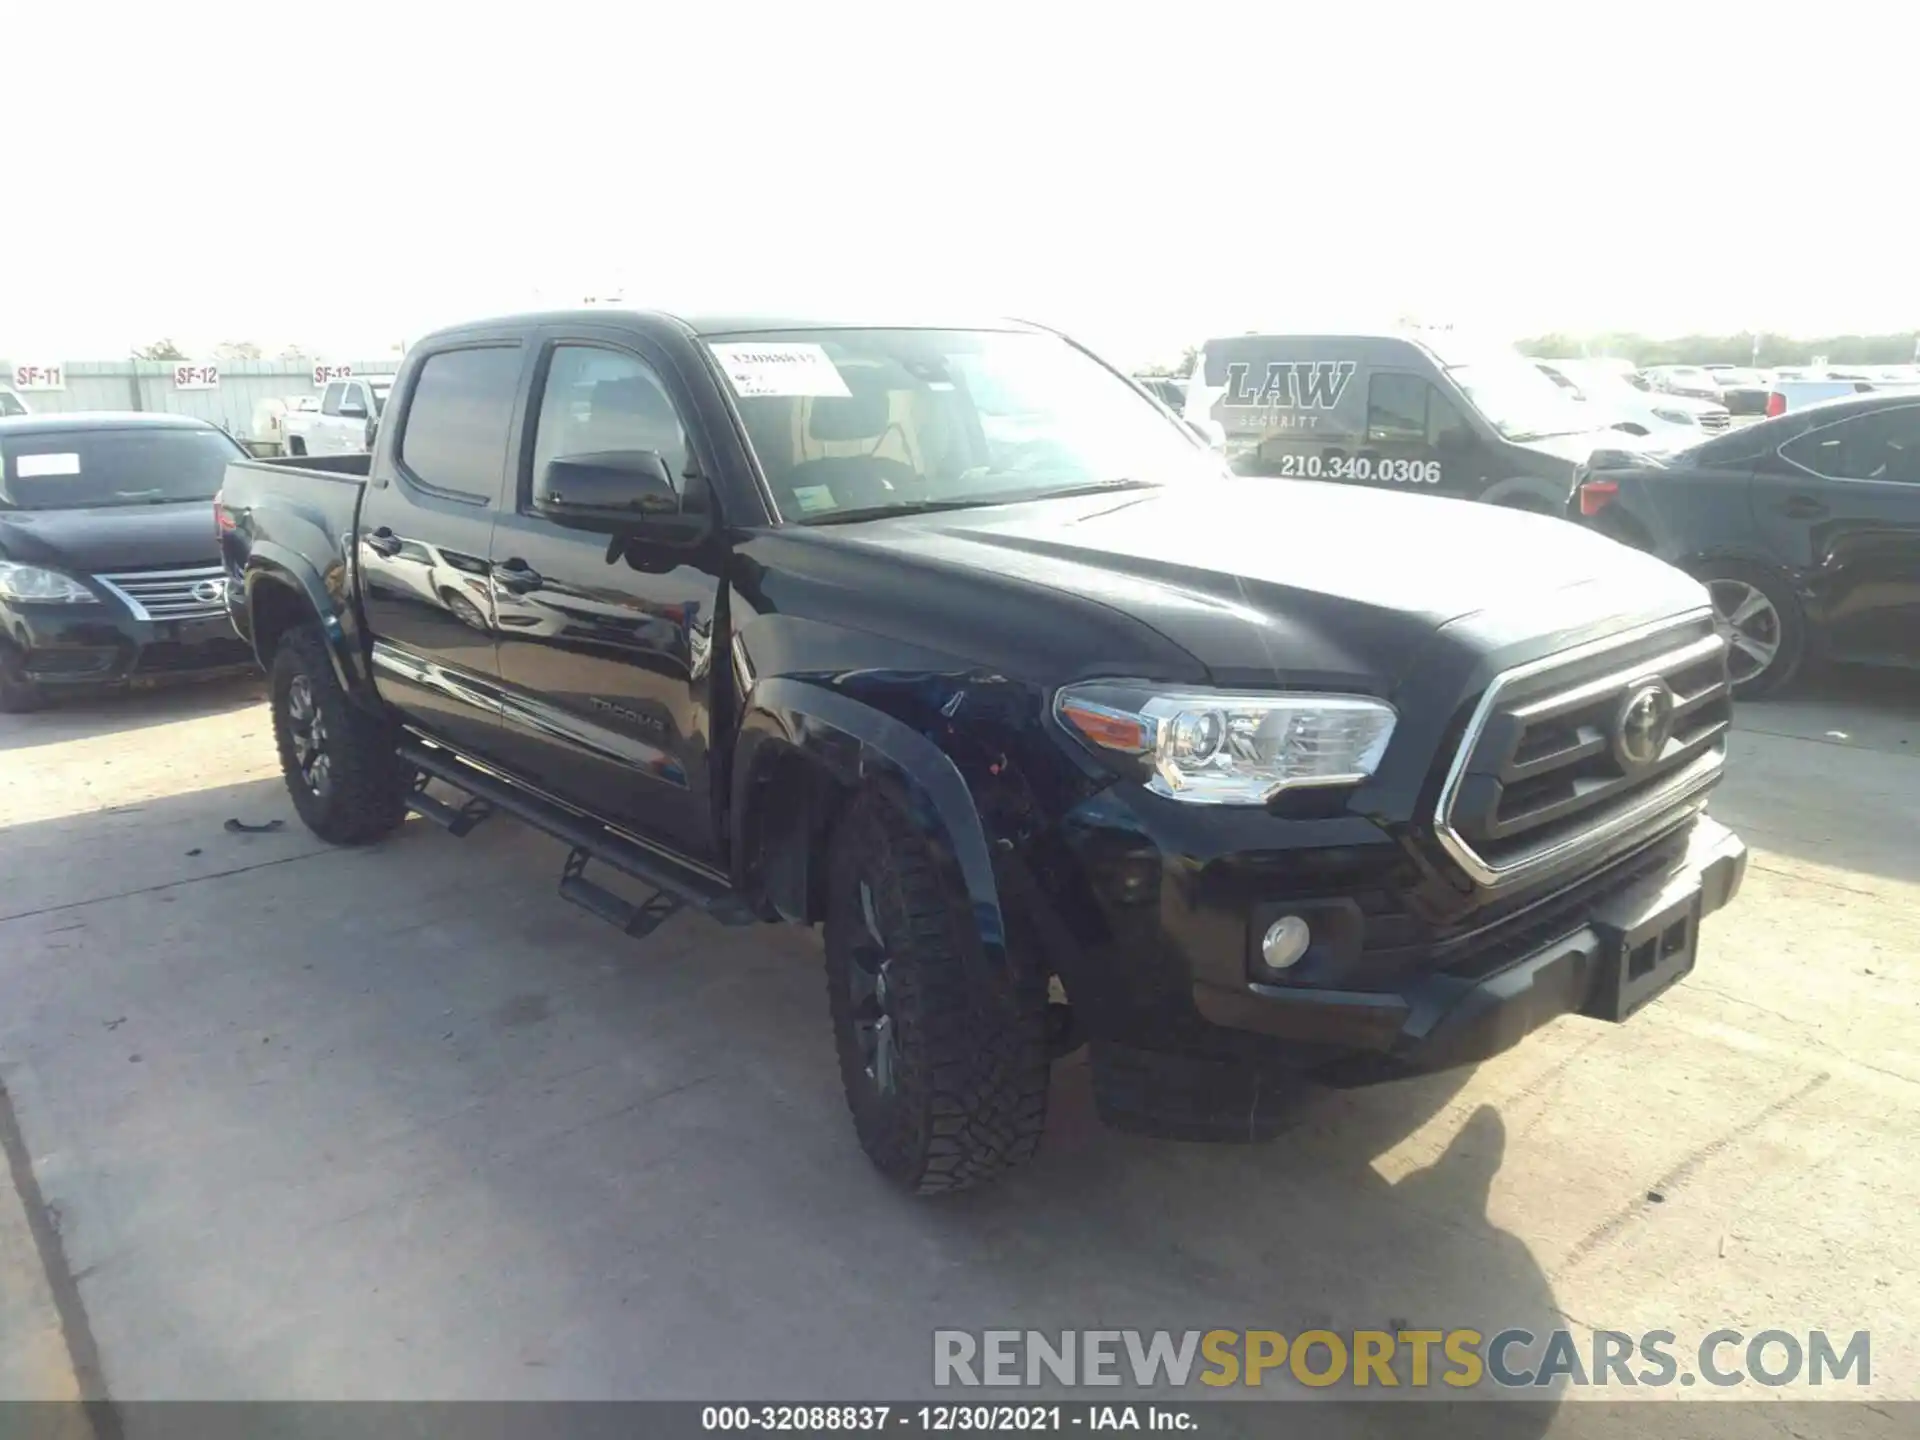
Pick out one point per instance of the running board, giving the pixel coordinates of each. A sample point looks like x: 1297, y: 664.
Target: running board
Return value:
x: 639, y: 920
x: 677, y: 886
x: 457, y: 821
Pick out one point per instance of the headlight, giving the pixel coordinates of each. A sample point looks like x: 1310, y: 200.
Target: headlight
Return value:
x: 1674, y: 417
x: 1221, y: 749
x: 44, y: 587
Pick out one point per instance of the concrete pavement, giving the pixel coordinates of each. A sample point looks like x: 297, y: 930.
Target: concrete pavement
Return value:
x: 400, y: 1123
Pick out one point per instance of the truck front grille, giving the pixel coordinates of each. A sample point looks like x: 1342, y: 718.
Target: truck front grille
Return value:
x: 1714, y: 421
x: 179, y: 594
x: 1568, y: 753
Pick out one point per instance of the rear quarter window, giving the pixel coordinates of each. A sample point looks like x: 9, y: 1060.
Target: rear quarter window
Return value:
x: 458, y: 419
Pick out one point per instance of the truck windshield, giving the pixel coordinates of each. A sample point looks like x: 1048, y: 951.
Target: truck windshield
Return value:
x: 1517, y: 400
x: 848, y: 423
x: 94, y: 469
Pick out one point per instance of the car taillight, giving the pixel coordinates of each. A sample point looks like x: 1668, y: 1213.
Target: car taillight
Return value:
x: 1596, y: 495
x: 222, y: 517
x: 1776, y: 404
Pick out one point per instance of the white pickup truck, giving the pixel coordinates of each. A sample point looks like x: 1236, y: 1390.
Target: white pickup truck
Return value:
x: 345, y: 422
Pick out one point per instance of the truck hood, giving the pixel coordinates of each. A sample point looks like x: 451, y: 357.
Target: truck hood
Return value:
x: 120, y: 537
x: 1296, y: 582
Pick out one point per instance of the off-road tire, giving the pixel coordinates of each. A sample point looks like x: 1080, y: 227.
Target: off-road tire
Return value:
x: 1792, y: 624
x: 365, y: 798
x: 970, y: 1054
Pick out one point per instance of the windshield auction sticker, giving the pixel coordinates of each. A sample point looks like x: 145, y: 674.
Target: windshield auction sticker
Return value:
x: 780, y: 369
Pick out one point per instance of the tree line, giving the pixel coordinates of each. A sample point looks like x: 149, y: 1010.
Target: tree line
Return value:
x: 1896, y: 349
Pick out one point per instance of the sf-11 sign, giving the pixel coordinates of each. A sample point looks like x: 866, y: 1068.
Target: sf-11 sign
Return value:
x: 39, y: 377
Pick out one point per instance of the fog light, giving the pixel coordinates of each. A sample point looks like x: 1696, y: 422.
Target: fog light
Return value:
x: 1286, y: 941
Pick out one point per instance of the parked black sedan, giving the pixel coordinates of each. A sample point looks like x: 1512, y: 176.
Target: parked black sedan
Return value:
x: 110, y: 570
x: 1805, y: 528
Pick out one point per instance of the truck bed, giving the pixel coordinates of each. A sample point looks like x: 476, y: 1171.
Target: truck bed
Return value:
x: 294, y: 518
x: 321, y: 467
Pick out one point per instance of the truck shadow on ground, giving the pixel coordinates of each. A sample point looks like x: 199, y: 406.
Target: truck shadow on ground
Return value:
x: 87, y: 717
x: 304, y: 1101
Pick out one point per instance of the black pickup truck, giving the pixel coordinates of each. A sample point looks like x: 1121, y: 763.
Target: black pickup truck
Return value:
x: 952, y: 641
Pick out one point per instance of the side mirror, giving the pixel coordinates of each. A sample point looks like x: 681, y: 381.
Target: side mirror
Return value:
x: 617, y: 490
x: 350, y: 410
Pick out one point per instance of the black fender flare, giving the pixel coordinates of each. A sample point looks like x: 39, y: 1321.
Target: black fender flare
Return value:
x: 271, y: 564
x: 861, y: 746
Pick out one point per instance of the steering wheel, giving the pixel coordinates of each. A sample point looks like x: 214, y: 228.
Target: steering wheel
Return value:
x: 1029, y: 456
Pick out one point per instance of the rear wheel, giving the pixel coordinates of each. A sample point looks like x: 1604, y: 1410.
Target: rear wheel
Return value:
x: 341, y: 764
x: 1763, y: 626
x: 945, y: 1067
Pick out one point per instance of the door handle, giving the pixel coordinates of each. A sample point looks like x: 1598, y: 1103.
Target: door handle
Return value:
x: 517, y: 576
x: 1802, y: 507
x: 383, y: 541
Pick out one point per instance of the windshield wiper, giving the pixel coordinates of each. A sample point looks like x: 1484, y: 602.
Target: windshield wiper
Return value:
x: 972, y: 502
x: 1092, y: 487
x: 899, y: 507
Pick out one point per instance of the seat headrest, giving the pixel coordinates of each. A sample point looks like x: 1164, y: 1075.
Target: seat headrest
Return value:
x: 863, y: 414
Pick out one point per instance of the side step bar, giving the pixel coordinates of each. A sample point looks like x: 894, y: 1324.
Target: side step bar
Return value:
x: 676, y: 886
x: 456, y: 821
x: 638, y: 921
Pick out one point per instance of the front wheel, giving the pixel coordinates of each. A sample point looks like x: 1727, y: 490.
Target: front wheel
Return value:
x: 1761, y: 621
x: 341, y: 764
x: 18, y: 695
x: 945, y: 1064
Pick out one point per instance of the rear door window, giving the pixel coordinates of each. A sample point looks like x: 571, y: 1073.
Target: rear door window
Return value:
x: 1882, y: 445
x: 458, y: 420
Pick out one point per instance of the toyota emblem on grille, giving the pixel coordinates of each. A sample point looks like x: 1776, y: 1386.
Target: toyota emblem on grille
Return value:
x: 209, y: 592
x: 1640, y: 734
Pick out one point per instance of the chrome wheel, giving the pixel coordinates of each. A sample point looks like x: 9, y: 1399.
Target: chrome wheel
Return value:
x: 1750, y: 624
x: 867, y: 981
x: 308, y: 729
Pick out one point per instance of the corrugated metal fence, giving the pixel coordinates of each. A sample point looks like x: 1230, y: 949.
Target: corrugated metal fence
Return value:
x: 154, y: 385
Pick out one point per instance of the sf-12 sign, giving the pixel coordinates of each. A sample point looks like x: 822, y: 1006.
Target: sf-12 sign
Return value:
x: 39, y: 377
x: 325, y: 375
x: 196, y: 376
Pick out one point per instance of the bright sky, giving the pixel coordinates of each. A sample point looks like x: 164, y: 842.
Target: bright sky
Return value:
x: 347, y: 176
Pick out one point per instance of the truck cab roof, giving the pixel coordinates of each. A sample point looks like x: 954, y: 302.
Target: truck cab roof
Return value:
x: 709, y: 325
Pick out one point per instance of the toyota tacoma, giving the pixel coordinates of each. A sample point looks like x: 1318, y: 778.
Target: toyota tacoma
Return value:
x: 955, y: 643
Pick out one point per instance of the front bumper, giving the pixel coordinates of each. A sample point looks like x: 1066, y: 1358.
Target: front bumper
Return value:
x: 1151, y: 914
x: 73, y: 647
x: 1459, y: 1017
x: 1213, y: 1061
